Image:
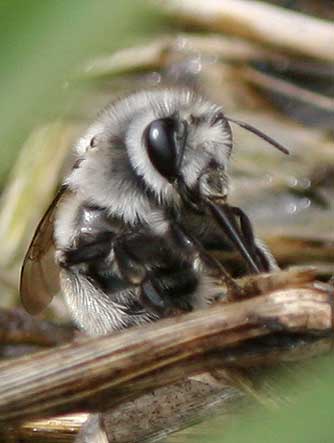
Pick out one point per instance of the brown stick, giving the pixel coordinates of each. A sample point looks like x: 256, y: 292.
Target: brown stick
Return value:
x: 261, y: 22
x: 287, y: 249
x: 163, y: 51
x: 61, y: 429
x: 268, y: 82
x: 169, y: 409
x: 18, y: 327
x: 96, y: 373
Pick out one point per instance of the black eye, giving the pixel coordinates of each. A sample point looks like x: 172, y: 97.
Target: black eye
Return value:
x: 163, y: 146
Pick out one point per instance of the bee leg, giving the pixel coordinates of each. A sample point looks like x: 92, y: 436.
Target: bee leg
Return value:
x: 133, y: 255
x: 130, y: 268
x: 192, y: 247
x: 264, y: 259
x: 183, y: 242
x: 86, y: 251
x: 152, y: 299
x: 136, y: 274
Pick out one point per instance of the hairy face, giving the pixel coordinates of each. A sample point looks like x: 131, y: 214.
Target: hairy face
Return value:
x: 162, y: 138
x: 177, y: 137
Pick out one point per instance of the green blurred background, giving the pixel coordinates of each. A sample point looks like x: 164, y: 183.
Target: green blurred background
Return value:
x: 43, y: 43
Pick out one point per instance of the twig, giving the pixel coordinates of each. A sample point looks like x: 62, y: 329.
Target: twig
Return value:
x: 268, y: 24
x: 317, y: 253
x: 61, y: 429
x: 288, y: 89
x: 175, y: 407
x: 163, y: 51
x: 19, y: 328
x: 288, y: 249
x: 96, y: 373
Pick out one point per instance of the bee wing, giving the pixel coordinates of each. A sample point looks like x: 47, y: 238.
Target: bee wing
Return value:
x: 40, y: 274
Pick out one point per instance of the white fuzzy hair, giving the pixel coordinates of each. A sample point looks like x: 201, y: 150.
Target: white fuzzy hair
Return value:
x: 105, y: 175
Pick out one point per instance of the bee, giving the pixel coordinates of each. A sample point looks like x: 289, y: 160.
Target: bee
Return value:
x: 127, y: 238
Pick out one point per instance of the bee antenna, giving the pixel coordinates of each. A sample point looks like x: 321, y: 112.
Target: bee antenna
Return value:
x: 260, y: 134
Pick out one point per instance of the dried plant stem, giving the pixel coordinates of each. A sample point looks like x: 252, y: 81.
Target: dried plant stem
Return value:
x: 139, y: 381
x: 96, y: 373
x: 172, y: 408
x: 61, y: 429
x: 258, y: 21
x: 19, y: 328
x: 268, y: 82
x: 163, y: 51
x: 287, y: 249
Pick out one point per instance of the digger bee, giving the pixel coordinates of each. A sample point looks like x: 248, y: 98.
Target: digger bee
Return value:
x: 128, y: 235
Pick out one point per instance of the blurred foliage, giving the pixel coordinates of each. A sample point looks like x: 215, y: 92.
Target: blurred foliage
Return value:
x: 305, y: 414
x: 42, y: 42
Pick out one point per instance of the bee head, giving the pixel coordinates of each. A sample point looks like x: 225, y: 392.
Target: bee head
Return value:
x: 181, y: 142
x: 181, y: 145
x: 173, y: 143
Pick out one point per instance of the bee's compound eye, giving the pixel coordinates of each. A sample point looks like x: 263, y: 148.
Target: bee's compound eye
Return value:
x: 161, y: 141
x: 93, y: 142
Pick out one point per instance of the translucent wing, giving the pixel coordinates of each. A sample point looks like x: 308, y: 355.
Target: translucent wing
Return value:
x: 40, y: 274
